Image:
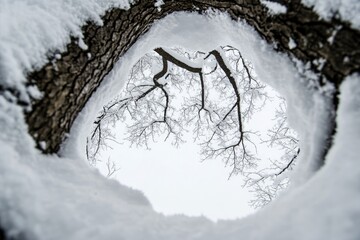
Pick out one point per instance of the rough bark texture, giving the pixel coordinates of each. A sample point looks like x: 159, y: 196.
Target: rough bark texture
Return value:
x: 69, y: 82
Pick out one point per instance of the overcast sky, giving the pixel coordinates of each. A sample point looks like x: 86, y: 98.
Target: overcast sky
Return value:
x: 176, y: 181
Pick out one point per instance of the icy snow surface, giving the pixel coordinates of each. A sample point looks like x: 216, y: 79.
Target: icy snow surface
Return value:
x: 50, y: 198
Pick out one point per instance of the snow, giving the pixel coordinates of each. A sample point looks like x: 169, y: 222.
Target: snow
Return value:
x: 292, y: 44
x: 32, y: 28
x: 344, y: 9
x: 332, y: 37
x: 197, y: 63
x: 274, y: 7
x: 158, y: 4
x: 51, y: 197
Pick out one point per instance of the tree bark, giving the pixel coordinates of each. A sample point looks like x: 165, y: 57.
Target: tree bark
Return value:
x: 67, y: 83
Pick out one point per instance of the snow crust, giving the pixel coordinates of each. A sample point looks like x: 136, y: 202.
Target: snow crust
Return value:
x: 344, y: 9
x: 51, y: 197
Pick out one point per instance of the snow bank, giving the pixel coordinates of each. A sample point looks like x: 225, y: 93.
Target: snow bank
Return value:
x: 47, y: 197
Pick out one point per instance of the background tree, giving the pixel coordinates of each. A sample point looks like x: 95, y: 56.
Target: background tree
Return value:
x: 214, y: 95
x: 267, y: 183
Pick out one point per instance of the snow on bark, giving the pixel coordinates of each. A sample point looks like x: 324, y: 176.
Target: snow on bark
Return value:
x: 274, y: 7
x: 343, y: 9
x: 32, y: 29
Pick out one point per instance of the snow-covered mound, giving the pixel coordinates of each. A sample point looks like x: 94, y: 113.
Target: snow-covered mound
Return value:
x: 48, y: 197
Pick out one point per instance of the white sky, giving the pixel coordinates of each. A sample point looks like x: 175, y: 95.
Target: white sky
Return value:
x: 176, y: 181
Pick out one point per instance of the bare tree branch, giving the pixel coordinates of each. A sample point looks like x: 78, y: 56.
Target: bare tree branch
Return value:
x: 223, y: 93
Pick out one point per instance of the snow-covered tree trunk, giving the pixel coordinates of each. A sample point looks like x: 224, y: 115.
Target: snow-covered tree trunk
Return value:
x: 70, y: 78
x: 329, y: 48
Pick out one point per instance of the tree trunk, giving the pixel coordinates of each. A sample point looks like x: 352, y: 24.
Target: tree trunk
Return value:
x: 70, y: 82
